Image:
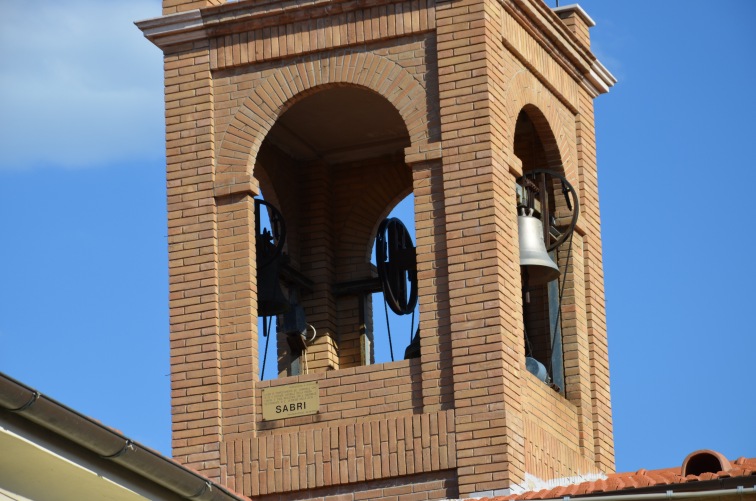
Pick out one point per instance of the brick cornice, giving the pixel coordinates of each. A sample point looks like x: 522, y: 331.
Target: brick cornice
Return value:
x: 241, y: 17
x: 238, y: 17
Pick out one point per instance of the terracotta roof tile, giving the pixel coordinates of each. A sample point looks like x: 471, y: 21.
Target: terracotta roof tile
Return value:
x: 741, y: 467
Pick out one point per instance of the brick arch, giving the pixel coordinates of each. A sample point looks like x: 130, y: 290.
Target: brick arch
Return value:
x: 280, y: 90
x: 555, y: 130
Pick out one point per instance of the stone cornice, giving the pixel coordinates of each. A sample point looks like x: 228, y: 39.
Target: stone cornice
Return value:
x: 174, y: 28
x: 549, y: 31
x: 553, y: 27
x: 600, y: 77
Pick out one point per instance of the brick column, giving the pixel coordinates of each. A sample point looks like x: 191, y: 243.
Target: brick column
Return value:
x: 484, y: 287
x: 316, y: 258
x: 193, y: 282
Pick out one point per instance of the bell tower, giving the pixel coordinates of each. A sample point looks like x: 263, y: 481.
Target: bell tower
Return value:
x: 292, y: 131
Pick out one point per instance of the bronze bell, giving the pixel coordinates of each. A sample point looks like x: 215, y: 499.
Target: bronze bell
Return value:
x: 271, y: 300
x: 538, y: 268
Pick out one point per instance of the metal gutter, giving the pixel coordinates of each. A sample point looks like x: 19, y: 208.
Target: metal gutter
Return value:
x: 670, y: 494
x: 30, y: 404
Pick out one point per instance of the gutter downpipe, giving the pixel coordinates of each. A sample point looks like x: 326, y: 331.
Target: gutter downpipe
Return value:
x: 17, y: 398
x: 670, y: 494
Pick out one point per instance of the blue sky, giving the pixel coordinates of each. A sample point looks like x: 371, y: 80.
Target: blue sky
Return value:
x: 83, y: 290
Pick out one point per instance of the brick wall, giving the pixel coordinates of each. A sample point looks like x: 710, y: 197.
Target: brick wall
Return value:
x: 411, y: 487
x: 352, y: 452
x: 465, y: 418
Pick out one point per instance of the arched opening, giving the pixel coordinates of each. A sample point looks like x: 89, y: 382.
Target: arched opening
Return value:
x: 333, y: 166
x: 395, y: 335
x: 547, y: 211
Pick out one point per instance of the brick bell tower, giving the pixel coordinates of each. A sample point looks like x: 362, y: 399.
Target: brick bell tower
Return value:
x: 334, y: 111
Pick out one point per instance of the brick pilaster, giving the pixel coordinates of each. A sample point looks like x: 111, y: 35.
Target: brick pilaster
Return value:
x: 594, y: 288
x: 576, y: 347
x: 237, y: 306
x: 433, y: 284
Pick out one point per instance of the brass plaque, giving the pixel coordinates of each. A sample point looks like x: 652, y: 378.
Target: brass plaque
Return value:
x: 291, y: 400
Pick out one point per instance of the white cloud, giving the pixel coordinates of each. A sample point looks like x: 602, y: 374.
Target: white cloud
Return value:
x: 79, y: 84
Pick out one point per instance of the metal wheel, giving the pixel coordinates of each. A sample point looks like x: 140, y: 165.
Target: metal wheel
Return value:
x: 397, y: 268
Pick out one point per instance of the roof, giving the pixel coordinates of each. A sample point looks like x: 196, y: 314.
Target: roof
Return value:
x: 107, y: 444
x: 701, y: 471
